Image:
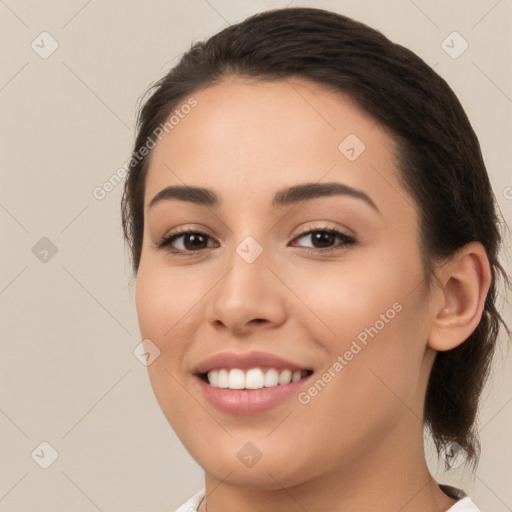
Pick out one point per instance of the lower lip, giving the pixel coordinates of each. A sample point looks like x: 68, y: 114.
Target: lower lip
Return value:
x: 249, y: 401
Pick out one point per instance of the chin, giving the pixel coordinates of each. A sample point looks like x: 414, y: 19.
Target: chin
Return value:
x: 243, y: 465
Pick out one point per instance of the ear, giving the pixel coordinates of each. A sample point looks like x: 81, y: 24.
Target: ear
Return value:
x: 459, y: 301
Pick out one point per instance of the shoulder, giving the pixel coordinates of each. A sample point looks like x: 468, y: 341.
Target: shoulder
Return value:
x: 192, y: 504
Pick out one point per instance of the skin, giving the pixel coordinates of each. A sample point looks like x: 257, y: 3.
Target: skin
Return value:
x: 358, y: 444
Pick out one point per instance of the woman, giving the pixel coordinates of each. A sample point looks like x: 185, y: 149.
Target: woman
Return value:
x: 315, y: 243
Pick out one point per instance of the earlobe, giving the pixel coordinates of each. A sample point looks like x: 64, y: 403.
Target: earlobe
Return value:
x: 464, y: 282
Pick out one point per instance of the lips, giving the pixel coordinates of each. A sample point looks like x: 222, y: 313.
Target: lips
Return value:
x: 240, y: 398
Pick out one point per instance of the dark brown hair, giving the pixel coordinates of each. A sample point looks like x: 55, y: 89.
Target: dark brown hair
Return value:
x: 439, y: 157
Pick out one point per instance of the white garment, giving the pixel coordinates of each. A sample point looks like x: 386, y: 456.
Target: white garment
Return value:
x: 192, y: 504
x: 463, y: 505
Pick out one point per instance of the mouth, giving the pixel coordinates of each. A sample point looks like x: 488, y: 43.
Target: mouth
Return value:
x: 252, y: 378
x: 241, y: 384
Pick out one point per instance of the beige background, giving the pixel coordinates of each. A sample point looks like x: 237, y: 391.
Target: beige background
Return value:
x: 68, y: 375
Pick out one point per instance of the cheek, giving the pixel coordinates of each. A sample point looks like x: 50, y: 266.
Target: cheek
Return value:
x: 343, y: 298
x: 162, y: 316
x: 165, y: 300
x: 373, y: 315
x: 383, y: 361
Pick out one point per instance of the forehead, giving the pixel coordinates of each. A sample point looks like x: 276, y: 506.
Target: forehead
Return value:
x: 259, y: 136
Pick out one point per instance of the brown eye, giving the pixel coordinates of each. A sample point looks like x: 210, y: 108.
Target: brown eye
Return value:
x: 322, y: 239
x: 194, y: 241
x: 190, y: 241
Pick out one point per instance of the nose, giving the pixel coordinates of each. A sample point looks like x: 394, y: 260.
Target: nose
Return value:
x: 249, y: 296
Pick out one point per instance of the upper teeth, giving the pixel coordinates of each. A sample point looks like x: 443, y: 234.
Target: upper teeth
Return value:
x: 255, y: 378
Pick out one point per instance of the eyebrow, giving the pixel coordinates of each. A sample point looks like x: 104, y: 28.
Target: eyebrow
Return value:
x: 287, y: 196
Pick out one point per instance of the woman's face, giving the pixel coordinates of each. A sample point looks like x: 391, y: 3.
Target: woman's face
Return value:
x: 350, y: 307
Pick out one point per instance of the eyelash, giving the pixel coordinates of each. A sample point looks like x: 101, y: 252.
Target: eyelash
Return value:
x: 168, y: 239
